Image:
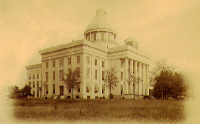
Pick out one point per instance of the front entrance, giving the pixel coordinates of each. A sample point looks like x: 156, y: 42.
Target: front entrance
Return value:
x: 61, y: 90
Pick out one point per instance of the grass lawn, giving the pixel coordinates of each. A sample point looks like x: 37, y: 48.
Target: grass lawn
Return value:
x: 99, y: 110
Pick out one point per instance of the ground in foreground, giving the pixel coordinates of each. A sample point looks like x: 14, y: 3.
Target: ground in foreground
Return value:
x: 99, y: 110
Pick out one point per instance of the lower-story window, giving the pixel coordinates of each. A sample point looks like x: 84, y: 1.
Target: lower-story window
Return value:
x: 33, y: 93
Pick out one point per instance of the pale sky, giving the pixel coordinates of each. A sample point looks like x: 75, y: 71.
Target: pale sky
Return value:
x: 164, y: 29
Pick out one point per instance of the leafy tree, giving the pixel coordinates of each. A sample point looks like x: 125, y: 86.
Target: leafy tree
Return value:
x: 26, y: 91
x: 133, y: 81
x: 13, y: 92
x: 167, y: 82
x: 111, y: 80
x: 73, y: 80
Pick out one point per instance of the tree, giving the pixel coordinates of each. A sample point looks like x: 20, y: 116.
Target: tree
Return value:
x: 167, y: 82
x: 111, y: 79
x: 133, y: 81
x: 13, y: 92
x: 73, y: 80
x: 26, y: 91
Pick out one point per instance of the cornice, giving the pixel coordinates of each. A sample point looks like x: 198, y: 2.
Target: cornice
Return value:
x: 39, y: 65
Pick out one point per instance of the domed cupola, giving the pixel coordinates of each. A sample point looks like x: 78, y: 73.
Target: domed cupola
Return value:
x: 100, y: 31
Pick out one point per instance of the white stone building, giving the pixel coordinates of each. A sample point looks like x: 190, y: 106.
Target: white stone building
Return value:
x: 92, y: 56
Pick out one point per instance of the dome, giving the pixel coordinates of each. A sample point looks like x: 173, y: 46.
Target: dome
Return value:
x: 100, y: 21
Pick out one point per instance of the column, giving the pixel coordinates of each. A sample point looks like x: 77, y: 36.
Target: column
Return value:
x: 144, y: 80
x: 65, y: 71
x: 126, y: 75
x: 98, y: 36
x: 140, y: 76
x: 131, y: 73
x: 118, y: 70
x: 135, y: 74
x: 147, y: 80
x: 100, y: 77
x: 83, y: 76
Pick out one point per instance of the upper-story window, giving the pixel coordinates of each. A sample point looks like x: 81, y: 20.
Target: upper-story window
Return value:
x: 95, y: 36
x: 29, y: 84
x: 88, y: 73
x: 33, y: 84
x: 61, y: 74
x: 95, y: 74
x: 78, y: 72
x: 103, y: 64
x: 122, y: 75
x: 29, y: 77
x: 61, y: 62
x: 88, y: 36
x: 54, y: 75
x: 37, y: 76
x: 69, y: 61
x: 69, y: 71
x: 54, y: 63
x: 122, y: 63
x: 95, y: 61
x: 102, y: 36
x: 88, y: 59
x: 37, y: 83
x: 47, y: 64
x: 103, y: 75
x: 78, y: 59
x: 46, y: 76
x: 33, y: 76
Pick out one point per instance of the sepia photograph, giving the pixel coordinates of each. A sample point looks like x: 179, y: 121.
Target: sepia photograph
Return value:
x: 97, y: 61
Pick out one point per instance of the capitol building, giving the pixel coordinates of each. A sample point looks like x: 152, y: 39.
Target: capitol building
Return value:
x: 92, y: 56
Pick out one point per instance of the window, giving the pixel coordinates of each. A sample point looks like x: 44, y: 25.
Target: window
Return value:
x: 54, y: 89
x: 33, y: 84
x: 95, y: 74
x: 37, y: 76
x: 96, y: 88
x: 29, y: 84
x: 103, y: 75
x: 33, y: 93
x: 46, y: 76
x: 88, y: 87
x: 95, y: 61
x: 102, y: 36
x: 54, y: 63
x: 47, y: 64
x: 61, y: 62
x: 88, y: 59
x: 122, y: 76
x: 108, y: 36
x: 61, y: 74
x: 37, y: 83
x: 46, y: 89
x: 88, y: 73
x: 78, y: 72
x: 122, y: 64
x: 69, y: 90
x: 29, y: 77
x: 79, y: 89
x: 69, y: 71
x: 69, y: 61
x: 78, y: 59
x: 53, y: 75
x: 37, y: 93
x: 33, y: 76
x: 103, y: 64
x: 94, y: 36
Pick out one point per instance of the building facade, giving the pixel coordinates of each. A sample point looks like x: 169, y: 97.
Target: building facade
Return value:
x: 92, y: 56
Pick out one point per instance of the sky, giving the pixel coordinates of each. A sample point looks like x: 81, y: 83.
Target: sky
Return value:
x: 164, y: 29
